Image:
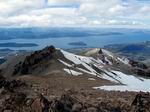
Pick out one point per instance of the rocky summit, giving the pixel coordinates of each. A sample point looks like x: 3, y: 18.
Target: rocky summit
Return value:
x: 34, y: 59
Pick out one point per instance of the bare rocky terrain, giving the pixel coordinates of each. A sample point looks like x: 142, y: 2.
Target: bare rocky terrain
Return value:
x: 53, y: 80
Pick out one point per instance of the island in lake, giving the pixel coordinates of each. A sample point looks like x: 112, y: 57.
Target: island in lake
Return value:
x: 18, y: 45
x: 77, y: 44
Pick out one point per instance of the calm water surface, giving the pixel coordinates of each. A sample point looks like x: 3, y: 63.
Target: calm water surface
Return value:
x: 99, y: 40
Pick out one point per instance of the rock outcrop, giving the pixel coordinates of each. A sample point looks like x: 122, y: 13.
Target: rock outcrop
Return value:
x: 35, y: 59
x: 10, y: 85
x: 141, y: 102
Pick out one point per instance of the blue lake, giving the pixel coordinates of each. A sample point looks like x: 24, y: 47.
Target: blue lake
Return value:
x: 93, y: 37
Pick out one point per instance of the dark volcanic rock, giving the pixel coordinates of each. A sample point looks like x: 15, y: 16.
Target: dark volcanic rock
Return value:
x: 140, y: 68
x: 141, y: 102
x: 10, y: 85
x: 34, y: 59
x: 68, y: 103
x: 65, y: 104
x: 40, y: 104
x: 20, y: 102
x: 11, y: 102
x: 138, y: 64
x: 141, y: 72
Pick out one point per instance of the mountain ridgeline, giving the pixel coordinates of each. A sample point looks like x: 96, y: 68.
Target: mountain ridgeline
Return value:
x: 40, y: 61
x: 55, y: 80
x: 137, y: 51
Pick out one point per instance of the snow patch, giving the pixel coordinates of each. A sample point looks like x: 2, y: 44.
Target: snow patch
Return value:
x: 124, y: 60
x: 80, y: 60
x: 72, y: 72
x: 106, y: 59
x: 66, y: 64
x: 108, y: 53
x: 85, y: 71
x: 124, y: 81
x: 109, y: 76
x: 92, y: 79
x: 129, y: 83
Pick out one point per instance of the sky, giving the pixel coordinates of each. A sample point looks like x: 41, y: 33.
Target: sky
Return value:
x: 88, y: 13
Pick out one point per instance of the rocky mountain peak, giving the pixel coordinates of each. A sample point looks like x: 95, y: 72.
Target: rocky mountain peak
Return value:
x: 35, y: 58
x: 100, y: 51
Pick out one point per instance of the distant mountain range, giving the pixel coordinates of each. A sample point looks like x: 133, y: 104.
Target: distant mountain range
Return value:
x: 18, y: 45
x: 137, y: 51
x: 39, y: 33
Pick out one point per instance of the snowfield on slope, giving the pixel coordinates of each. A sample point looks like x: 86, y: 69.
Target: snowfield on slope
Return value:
x: 130, y: 83
x: 80, y: 60
x: 124, y: 82
x: 72, y: 72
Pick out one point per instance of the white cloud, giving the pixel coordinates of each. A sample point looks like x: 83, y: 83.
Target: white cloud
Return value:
x: 145, y: 10
x: 104, y: 22
x: 117, y: 10
x: 11, y: 7
x: 73, y: 13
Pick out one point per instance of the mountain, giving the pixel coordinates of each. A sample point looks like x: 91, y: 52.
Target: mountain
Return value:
x: 66, y: 82
x: 54, y: 32
x: 137, y: 51
x: 94, y: 63
x: 18, y: 45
